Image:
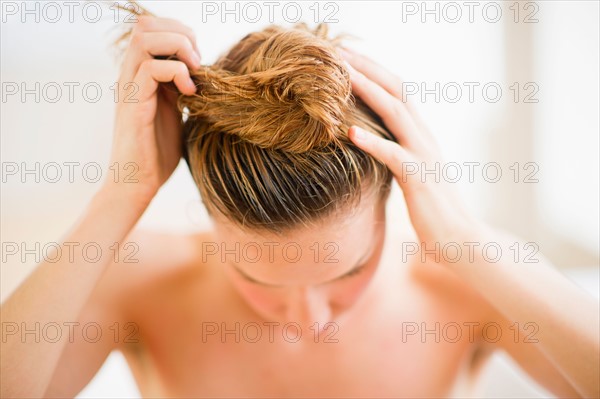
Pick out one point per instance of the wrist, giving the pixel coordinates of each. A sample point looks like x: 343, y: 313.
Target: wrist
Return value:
x: 126, y: 196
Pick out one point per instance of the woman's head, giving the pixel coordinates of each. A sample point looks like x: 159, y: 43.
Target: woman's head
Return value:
x: 266, y: 141
x: 267, y: 144
x: 266, y: 133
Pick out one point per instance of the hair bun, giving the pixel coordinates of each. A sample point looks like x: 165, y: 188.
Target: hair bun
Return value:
x: 291, y: 92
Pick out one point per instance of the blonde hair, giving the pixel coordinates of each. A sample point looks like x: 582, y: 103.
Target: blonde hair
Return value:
x: 266, y: 134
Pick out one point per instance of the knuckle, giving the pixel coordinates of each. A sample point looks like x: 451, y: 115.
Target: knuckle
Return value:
x: 397, y: 109
x: 180, y: 67
x: 146, y: 65
x: 189, y: 32
x: 184, y: 43
x: 396, y: 114
x: 189, y: 48
x: 143, y: 22
x: 396, y: 154
x: 137, y: 38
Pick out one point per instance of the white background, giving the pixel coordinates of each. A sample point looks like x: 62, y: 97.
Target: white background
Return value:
x: 559, y: 133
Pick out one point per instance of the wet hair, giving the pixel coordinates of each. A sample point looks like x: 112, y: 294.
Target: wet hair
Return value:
x: 266, y: 133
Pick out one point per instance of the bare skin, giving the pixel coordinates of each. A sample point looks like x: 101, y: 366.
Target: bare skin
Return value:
x: 372, y: 350
x: 176, y: 294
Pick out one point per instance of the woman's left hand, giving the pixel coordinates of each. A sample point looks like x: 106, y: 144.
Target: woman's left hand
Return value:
x: 565, y: 357
x: 436, y: 211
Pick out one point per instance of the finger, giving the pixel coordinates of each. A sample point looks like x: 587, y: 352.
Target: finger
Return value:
x: 166, y: 44
x: 154, y: 24
x: 383, y: 77
x: 388, y: 152
x: 375, y: 72
x: 152, y: 72
x: 392, y: 111
x: 378, y: 74
x: 151, y: 24
x: 147, y: 45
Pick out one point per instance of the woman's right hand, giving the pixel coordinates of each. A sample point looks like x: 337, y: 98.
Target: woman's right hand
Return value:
x: 147, y: 137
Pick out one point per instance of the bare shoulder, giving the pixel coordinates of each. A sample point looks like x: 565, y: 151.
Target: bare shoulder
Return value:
x: 431, y: 278
x: 447, y: 286
x: 449, y: 299
x: 439, y: 292
x: 147, y: 259
x: 444, y: 298
x: 153, y: 272
x: 144, y: 262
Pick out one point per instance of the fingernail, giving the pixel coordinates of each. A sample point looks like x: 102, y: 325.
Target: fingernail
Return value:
x: 360, y: 134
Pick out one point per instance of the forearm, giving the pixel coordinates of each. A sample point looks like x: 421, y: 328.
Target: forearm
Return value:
x: 56, y: 293
x: 525, y: 291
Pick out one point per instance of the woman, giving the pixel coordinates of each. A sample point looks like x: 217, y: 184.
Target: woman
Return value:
x: 297, y: 290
